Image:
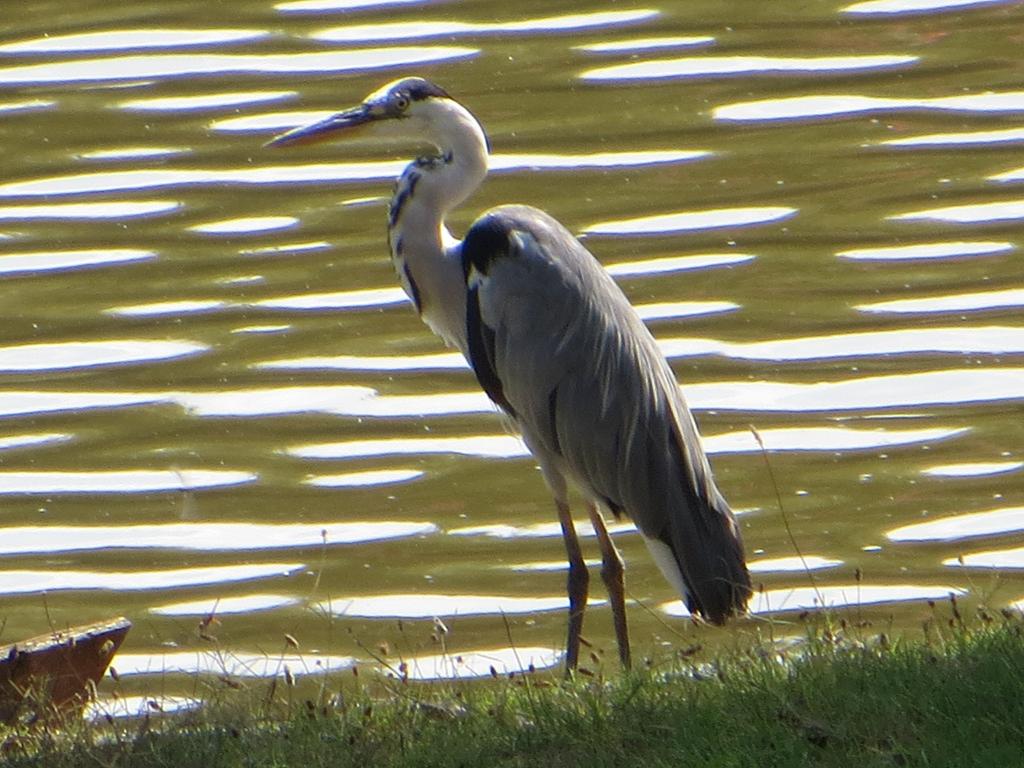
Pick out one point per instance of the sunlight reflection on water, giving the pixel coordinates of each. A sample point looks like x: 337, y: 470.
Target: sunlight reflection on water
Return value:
x: 50, y: 261
x: 26, y: 441
x: 670, y: 264
x: 401, y: 30
x: 991, y: 522
x: 802, y: 107
x: 233, y: 663
x: 316, y: 6
x: 832, y: 596
x: 973, y: 469
x: 957, y: 139
x: 90, y: 354
x: 137, y: 706
x: 498, y: 661
x: 205, y: 101
x: 685, y: 221
x: 717, y: 66
x: 121, y: 481
x: 208, y: 537
x: 15, y: 582
x: 427, y: 606
x: 914, y: 6
x: 364, y: 479
x: 942, y: 250
x: 129, y: 39
x: 245, y: 226
x: 85, y: 211
x: 792, y: 564
x: 182, y: 307
x: 226, y: 605
x: 138, y: 66
x: 966, y: 302
x: 998, y: 558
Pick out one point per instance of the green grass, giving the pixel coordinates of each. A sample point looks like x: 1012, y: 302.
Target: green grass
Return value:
x: 954, y: 698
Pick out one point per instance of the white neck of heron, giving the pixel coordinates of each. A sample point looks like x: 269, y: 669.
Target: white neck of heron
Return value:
x: 422, y: 249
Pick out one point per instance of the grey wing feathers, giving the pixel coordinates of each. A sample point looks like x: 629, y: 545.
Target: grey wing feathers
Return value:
x: 585, y: 381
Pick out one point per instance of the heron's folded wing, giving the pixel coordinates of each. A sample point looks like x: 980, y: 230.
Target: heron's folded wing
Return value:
x: 575, y: 364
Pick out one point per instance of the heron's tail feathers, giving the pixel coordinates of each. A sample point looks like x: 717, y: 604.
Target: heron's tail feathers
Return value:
x: 720, y: 583
x: 701, y: 554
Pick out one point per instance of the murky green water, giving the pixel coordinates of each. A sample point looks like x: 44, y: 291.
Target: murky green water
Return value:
x: 215, y: 398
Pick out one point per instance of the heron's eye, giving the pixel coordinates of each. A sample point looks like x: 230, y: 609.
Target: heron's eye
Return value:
x: 401, y: 101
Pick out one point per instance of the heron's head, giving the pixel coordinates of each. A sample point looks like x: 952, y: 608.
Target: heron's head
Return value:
x: 408, y: 110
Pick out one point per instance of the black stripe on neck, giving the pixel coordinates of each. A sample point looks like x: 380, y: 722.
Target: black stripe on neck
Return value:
x: 414, y: 288
x: 403, y: 192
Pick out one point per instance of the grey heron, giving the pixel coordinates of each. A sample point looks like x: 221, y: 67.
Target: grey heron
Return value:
x: 557, y: 346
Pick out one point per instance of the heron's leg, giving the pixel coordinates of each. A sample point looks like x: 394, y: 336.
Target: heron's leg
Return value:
x: 578, y: 584
x: 613, y: 575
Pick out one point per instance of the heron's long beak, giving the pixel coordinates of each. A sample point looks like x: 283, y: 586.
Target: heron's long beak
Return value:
x: 325, y: 129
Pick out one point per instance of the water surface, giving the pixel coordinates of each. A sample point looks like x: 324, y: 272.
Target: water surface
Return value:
x: 220, y: 417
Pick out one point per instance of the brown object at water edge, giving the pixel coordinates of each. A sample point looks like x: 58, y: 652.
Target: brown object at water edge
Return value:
x: 53, y: 672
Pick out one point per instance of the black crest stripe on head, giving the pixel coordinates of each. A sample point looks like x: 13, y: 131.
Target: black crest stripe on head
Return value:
x: 424, y: 89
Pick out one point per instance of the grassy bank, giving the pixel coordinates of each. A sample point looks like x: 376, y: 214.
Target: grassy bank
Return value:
x: 953, y: 698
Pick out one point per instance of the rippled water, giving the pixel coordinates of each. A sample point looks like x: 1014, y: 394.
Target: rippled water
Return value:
x: 216, y: 401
